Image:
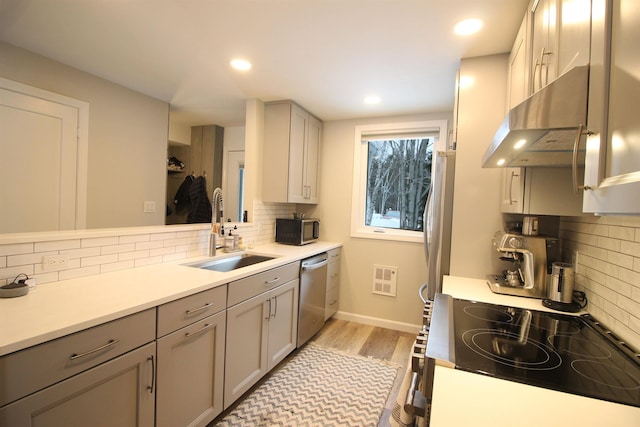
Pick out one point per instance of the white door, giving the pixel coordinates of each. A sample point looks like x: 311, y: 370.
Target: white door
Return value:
x: 39, y: 152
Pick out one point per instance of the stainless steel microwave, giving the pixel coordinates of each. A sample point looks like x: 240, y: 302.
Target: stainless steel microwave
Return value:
x: 297, y: 231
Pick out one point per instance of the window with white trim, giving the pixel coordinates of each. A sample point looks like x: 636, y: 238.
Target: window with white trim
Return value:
x: 392, y: 177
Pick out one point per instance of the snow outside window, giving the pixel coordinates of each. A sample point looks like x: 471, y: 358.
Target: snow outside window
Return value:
x: 392, y: 177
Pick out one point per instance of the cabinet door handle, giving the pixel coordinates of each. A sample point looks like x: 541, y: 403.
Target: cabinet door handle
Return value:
x: 275, y: 308
x: 269, y: 313
x: 196, y: 310
x: 199, y: 331
x: 536, y: 69
x: 152, y: 387
x: 574, y: 162
x: 76, y: 356
x: 511, y: 201
x: 272, y: 281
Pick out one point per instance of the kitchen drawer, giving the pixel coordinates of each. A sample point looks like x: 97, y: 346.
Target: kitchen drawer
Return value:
x: 331, y: 304
x: 333, y: 275
x: 185, y: 311
x: 243, y: 289
x: 334, y: 254
x: 37, y: 367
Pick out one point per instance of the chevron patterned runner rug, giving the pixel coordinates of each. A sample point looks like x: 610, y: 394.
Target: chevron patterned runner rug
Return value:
x: 318, y: 387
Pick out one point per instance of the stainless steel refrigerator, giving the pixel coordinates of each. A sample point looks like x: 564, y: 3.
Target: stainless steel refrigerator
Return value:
x: 437, y: 222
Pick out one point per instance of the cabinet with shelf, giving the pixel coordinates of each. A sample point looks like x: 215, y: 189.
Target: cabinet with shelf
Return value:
x: 612, y: 170
x: 262, y: 327
x: 101, y: 376
x: 333, y: 283
x: 191, y: 344
x: 291, y: 135
x: 559, y: 37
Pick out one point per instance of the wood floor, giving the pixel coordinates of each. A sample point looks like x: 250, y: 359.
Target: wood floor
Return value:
x: 366, y: 340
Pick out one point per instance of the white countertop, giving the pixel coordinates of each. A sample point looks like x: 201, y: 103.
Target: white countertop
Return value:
x: 61, y: 308
x: 467, y: 399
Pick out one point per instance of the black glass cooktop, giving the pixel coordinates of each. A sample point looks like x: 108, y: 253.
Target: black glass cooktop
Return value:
x: 555, y: 351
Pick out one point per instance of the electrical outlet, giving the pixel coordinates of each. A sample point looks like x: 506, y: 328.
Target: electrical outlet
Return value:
x: 55, y: 262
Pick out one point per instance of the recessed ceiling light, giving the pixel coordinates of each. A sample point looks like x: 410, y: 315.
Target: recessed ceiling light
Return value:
x: 501, y: 162
x: 372, y: 99
x: 467, y: 27
x: 241, y: 64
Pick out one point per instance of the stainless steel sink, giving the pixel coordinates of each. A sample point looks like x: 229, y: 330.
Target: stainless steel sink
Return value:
x: 232, y: 263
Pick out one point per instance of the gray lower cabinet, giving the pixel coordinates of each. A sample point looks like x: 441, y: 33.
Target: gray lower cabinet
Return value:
x: 120, y: 392
x: 333, y: 283
x: 190, y: 371
x: 261, y: 330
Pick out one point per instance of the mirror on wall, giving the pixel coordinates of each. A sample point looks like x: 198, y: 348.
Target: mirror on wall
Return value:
x: 210, y: 152
x: 120, y: 161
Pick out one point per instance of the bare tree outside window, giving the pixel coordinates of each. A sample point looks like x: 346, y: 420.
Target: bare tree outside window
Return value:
x: 398, y: 181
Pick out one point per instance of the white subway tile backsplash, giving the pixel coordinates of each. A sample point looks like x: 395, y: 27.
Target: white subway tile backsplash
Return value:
x: 149, y: 245
x: 97, y: 260
x: 24, y: 259
x: 133, y: 255
x: 117, y: 249
x: 81, y: 253
x: 99, y: 241
x: 14, y: 249
x: 57, y: 245
x: 134, y: 238
x: 606, y: 253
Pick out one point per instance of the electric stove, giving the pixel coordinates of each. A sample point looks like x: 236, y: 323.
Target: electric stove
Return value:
x: 572, y: 354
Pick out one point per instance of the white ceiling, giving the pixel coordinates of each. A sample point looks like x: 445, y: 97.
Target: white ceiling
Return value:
x: 325, y: 54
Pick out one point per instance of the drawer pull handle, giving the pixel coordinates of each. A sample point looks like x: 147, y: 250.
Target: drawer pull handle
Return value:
x: 199, y: 331
x: 196, y: 310
x: 75, y: 356
x: 270, y: 282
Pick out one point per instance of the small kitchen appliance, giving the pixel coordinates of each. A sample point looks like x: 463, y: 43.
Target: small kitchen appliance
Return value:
x: 560, y: 294
x: 297, y: 231
x: 571, y: 354
x: 524, y: 263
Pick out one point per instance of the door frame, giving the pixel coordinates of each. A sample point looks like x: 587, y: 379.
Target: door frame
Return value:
x: 83, y: 139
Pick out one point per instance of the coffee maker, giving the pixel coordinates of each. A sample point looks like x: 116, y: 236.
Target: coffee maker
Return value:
x: 523, y: 263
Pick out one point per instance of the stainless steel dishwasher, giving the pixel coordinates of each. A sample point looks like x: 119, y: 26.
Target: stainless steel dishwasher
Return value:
x: 313, y: 291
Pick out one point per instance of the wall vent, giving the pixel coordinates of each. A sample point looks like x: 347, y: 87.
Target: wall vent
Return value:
x: 384, y: 280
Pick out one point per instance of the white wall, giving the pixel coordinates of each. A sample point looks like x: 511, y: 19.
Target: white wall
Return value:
x: 359, y: 255
x: 124, y: 127
x: 476, y: 210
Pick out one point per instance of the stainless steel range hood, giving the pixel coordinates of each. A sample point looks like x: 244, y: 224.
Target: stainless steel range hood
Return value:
x: 541, y: 131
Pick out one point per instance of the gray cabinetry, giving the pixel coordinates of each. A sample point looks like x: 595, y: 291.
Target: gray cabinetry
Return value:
x: 191, y: 344
x: 291, y: 137
x: 262, y: 325
x: 333, y: 283
x: 612, y: 169
x: 539, y: 191
x: 93, y: 377
x: 559, y: 38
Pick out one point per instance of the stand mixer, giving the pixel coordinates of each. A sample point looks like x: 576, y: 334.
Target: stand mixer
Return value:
x: 525, y: 263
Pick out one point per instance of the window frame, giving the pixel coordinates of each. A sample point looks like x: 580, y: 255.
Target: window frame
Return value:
x: 359, y: 189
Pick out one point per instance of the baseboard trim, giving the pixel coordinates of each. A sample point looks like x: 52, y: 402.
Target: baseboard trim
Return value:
x: 376, y: 321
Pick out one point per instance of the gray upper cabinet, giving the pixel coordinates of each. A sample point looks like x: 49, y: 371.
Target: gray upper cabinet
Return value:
x: 291, y: 155
x: 612, y: 166
x: 559, y: 36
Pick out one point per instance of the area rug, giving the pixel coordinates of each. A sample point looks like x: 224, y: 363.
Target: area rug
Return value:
x: 319, y: 386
